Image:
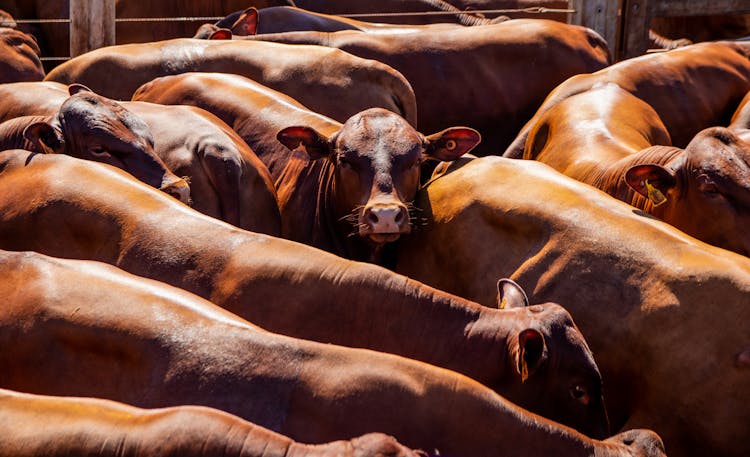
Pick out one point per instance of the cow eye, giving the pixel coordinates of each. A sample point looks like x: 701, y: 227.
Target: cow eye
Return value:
x: 99, y: 151
x: 344, y: 162
x: 707, y: 186
x: 580, y: 394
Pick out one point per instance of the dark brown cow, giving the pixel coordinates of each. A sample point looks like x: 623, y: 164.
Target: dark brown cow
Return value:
x: 47, y: 426
x: 349, y: 192
x: 78, y: 209
x: 504, y: 70
x: 19, y: 53
x: 89, y: 126
x: 690, y: 88
x: 614, y: 141
x: 79, y: 328
x: 326, y: 80
x: 227, y: 180
x: 667, y: 316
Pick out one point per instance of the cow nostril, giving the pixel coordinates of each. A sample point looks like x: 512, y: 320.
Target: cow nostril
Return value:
x: 372, y: 217
x: 399, y: 217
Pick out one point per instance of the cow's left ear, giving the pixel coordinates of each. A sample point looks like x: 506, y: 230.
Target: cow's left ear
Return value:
x: 451, y: 143
x: 316, y: 145
x: 652, y: 181
x: 247, y: 23
x: 510, y: 294
x: 220, y: 34
x: 46, y: 137
x: 76, y: 88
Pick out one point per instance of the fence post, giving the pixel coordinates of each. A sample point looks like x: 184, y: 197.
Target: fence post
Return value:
x: 599, y: 15
x: 92, y: 25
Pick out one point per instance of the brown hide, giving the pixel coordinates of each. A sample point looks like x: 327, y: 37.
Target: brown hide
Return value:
x: 491, y: 77
x: 80, y: 328
x: 326, y: 80
x: 666, y: 315
x: 332, y: 196
x: 740, y: 123
x: 227, y: 180
x: 77, y: 209
x: 690, y: 88
x: 48, y: 426
x: 19, y: 57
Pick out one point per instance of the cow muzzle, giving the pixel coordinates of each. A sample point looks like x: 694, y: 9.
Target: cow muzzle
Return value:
x: 384, y: 222
x: 177, y: 188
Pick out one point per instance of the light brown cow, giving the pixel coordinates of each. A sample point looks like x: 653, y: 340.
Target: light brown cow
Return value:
x: 78, y: 209
x: 227, y: 180
x: 614, y: 141
x: 489, y: 77
x: 667, y: 316
x: 690, y: 88
x: 86, y: 329
x: 19, y: 53
x: 348, y: 190
x: 326, y: 80
x: 48, y: 426
x: 740, y: 123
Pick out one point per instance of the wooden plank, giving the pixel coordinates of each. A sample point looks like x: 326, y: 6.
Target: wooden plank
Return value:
x: 92, y: 25
x: 636, y: 18
x: 697, y: 7
x: 599, y: 15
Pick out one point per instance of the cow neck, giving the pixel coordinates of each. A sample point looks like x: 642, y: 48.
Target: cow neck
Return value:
x: 613, y: 182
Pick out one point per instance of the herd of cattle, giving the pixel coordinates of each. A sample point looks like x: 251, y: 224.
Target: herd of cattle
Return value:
x: 297, y: 228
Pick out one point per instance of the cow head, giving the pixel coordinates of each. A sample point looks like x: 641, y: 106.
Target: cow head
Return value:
x: 19, y: 56
x: 92, y: 127
x: 555, y: 372
x: 375, y: 158
x: 706, y: 189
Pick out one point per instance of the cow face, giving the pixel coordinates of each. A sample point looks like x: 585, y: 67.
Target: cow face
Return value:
x: 375, y: 159
x: 706, y: 189
x: 555, y: 370
x: 92, y: 127
x: 19, y: 57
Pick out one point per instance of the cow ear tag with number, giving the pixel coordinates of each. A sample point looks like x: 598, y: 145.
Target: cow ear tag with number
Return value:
x: 654, y: 194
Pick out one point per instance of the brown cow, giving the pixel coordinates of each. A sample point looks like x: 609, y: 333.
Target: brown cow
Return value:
x: 47, y: 426
x: 690, y: 88
x: 667, y: 316
x: 19, y: 53
x: 349, y: 192
x: 326, y: 80
x: 740, y: 123
x: 227, y: 180
x: 78, y: 209
x: 89, y: 126
x: 604, y: 137
x: 80, y: 328
x: 490, y: 77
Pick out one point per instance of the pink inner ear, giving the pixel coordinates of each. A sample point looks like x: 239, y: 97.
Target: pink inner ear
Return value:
x: 743, y: 360
x: 221, y: 34
x: 247, y: 24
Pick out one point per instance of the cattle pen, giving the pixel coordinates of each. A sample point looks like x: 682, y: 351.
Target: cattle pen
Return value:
x: 623, y: 23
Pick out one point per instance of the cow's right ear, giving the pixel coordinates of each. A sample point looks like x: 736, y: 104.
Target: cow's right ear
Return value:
x: 316, y: 145
x: 76, y: 88
x: 531, y: 353
x: 220, y: 34
x: 510, y: 295
x: 45, y: 137
x: 247, y: 23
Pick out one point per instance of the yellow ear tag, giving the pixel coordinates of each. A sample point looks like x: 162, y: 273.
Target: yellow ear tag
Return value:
x: 654, y: 194
x: 503, y: 303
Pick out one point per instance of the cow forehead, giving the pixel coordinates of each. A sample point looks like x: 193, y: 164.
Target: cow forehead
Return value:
x: 378, y: 131
x: 728, y: 163
x: 89, y: 111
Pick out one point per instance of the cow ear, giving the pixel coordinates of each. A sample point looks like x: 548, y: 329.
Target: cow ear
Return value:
x: 220, y: 34
x: 652, y: 181
x: 76, y: 88
x: 247, y: 23
x: 316, y: 145
x: 45, y: 137
x: 532, y: 352
x: 510, y: 294
x: 451, y: 143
